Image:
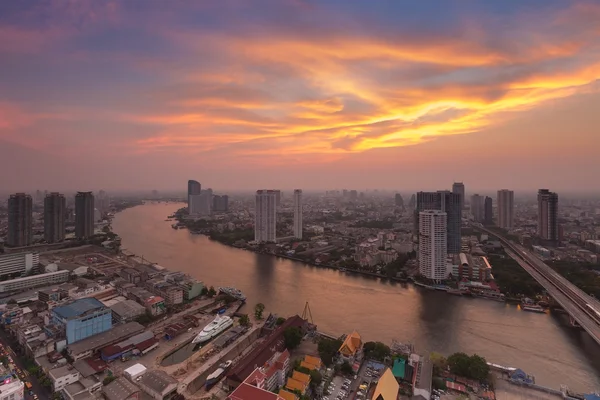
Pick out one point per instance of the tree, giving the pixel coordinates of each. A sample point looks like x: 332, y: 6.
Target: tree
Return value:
x: 245, y: 320
x: 376, y: 350
x: 212, y: 292
x: 346, y: 368
x: 258, y: 310
x: 204, y: 291
x: 478, y: 369
x: 280, y: 321
x: 474, y: 367
x: 327, y: 349
x: 459, y: 364
x: 315, y: 378
x: 108, y: 380
x: 292, y: 337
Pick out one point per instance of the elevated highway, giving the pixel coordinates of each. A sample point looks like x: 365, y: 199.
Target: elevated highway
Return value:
x: 582, y: 308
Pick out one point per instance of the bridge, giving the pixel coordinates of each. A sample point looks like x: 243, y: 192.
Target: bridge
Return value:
x: 581, y: 307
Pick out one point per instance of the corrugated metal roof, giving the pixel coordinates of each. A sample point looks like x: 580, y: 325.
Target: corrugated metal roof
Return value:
x: 78, y: 307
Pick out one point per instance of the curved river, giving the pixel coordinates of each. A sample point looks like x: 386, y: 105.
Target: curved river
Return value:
x: 543, y: 345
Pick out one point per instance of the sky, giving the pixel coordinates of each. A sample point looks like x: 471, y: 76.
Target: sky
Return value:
x: 249, y: 94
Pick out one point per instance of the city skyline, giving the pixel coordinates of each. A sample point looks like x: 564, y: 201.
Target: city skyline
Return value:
x: 261, y: 94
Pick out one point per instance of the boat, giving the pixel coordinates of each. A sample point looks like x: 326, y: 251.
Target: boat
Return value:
x: 214, y: 329
x: 490, y: 295
x: 233, y: 292
x: 342, y: 270
x: 456, y: 292
x: 174, y: 226
x: 533, y: 308
x: 213, y: 378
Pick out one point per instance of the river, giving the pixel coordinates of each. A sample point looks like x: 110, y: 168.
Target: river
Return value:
x: 543, y: 345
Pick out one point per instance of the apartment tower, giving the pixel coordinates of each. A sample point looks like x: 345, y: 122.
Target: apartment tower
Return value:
x: 548, y: 215
x: 449, y: 203
x: 84, y: 215
x: 193, y: 197
x: 433, y: 242
x: 506, y: 208
x: 459, y: 188
x: 265, y: 216
x: 55, y: 212
x: 298, y: 214
x: 20, y: 220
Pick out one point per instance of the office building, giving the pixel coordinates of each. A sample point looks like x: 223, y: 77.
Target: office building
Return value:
x: 398, y: 200
x: 477, y: 207
x: 433, y: 244
x: 18, y: 264
x: 193, y: 196
x: 459, y: 188
x: 548, y: 215
x: 488, y: 211
x: 506, y: 208
x: 29, y: 282
x: 82, y: 318
x: 298, y: 214
x: 449, y: 203
x: 84, y: 215
x: 55, y: 210
x: 220, y: 203
x: 20, y: 220
x: 265, y: 217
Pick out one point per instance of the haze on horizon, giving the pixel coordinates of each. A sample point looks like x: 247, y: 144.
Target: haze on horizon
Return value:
x: 242, y: 94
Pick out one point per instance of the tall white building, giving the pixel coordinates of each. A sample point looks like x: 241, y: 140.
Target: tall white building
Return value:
x: 506, y: 208
x: 18, y: 264
x: 298, y: 213
x: 265, y: 216
x: 433, y: 244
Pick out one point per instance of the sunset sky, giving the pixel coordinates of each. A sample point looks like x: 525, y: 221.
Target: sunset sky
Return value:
x: 246, y: 94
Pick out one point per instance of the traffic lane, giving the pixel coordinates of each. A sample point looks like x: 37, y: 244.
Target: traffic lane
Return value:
x: 8, y: 343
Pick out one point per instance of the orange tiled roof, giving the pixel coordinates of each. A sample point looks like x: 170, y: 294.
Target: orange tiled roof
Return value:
x: 301, y: 376
x: 387, y: 387
x: 287, y: 395
x: 351, y: 345
x: 294, y: 384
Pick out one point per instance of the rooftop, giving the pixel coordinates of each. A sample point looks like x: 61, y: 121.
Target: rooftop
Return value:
x: 58, y: 373
x: 119, y: 389
x: 157, y: 380
x: 250, y: 392
x: 78, y: 308
x: 387, y: 388
x: 106, y: 338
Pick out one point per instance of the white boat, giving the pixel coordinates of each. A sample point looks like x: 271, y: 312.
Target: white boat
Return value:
x: 233, y: 292
x: 215, y: 328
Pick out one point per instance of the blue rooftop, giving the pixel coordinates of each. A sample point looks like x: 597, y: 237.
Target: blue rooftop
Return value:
x: 78, y: 307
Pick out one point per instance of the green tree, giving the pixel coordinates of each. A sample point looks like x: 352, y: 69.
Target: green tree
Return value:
x: 292, y: 337
x: 346, y: 368
x: 376, y: 350
x: 315, y: 378
x: 108, y: 380
x: 245, y: 320
x: 459, y: 364
x: 259, y: 308
x: 211, y: 292
x: 478, y: 368
x: 474, y: 367
x: 328, y: 349
x: 204, y: 291
x: 280, y: 321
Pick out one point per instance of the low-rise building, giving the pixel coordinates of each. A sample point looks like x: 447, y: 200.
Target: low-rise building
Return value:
x: 126, y: 310
x: 63, y: 376
x: 387, y: 387
x: 253, y: 388
x: 121, y: 389
x: 82, y: 318
x: 351, y: 348
x: 86, y: 347
x: 28, y: 282
x: 158, y: 384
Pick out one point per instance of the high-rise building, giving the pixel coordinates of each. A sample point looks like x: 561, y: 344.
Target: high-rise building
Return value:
x: 449, y: 203
x: 488, y: 214
x: 398, y: 200
x: 298, y: 214
x: 193, y: 197
x: 265, y: 216
x: 84, y: 215
x: 278, y: 198
x: 102, y: 202
x: 221, y: 203
x: 506, y: 208
x: 20, y: 220
x: 55, y: 210
x: 477, y: 207
x: 459, y: 188
x: 412, y: 202
x: 548, y: 215
x: 206, y: 202
x: 353, y: 195
x: 433, y: 243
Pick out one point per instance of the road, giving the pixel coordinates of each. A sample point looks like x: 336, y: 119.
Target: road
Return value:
x: 572, y: 299
x: 10, y: 344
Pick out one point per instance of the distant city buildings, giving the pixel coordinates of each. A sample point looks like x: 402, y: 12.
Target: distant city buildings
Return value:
x: 433, y: 242
x: 459, y: 188
x: 506, y: 208
x: 548, y: 215
x: 20, y: 220
x: 55, y: 209
x: 265, y: 217
x: 221, y: 203
x: 84, y: 215
x: 449, y: 203
x: 298, y: 214
x: 477, y: 207
x: 488, y: 208
x: 398, y: 200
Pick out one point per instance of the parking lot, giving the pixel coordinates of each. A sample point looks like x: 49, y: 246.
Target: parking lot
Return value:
x: 339, y: 389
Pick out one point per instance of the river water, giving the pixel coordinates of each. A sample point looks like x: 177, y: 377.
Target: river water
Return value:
x: 541, y: 344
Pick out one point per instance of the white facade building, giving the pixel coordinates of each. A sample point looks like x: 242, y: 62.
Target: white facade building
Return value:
x: 298, y: 214
x: 63, y: 376
x: 14, y: 389
x: 265, y: 216
x: 506, y: 208
x: 20, y: 263
x: 433, y: 245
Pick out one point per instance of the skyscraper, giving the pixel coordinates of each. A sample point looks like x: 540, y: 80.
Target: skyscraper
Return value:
x: 459, y: 188
x: 449, y: 203
x: 477, y: 207
x: 506, y: 208
x: 398, y: 200
x: 206, y: 202
x: 193, y: 197
x: 20, y: 228
x: 548, y: 215
x: 84, y: 215
x: 265, y: 216
x: 488, y: 214
x: 298, y: 213
x: 433, y: 243
x: 277, y: 198
x: 55, y: 209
